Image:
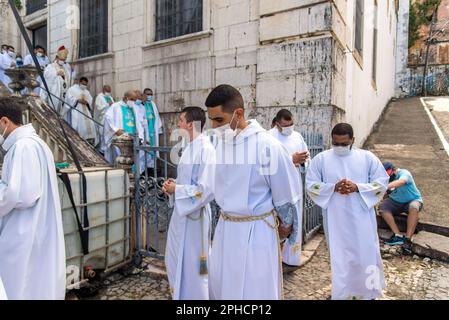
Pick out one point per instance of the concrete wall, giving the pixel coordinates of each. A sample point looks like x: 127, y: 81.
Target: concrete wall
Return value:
x: 9, y: 33
x: 365, y: 100
x: 402, y: 71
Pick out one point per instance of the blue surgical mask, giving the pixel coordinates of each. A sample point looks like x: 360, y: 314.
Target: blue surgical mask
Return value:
x: 139, y: 102
x: 150, y: 98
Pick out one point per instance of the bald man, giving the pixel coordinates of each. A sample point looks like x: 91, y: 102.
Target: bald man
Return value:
x: 120, y: 118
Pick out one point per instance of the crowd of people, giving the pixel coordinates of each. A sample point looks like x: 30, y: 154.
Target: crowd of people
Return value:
x: 253, y: 174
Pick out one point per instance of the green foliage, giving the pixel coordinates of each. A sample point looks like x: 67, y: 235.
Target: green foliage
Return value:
x: 421, y: 13
x: 18, y: 4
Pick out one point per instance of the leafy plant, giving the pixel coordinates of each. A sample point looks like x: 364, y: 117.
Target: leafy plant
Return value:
x: 421, y: 13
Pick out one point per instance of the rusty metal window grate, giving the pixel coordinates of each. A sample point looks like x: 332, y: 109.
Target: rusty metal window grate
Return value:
x: 176, y: 18
x: 359, y: 20
x: 93, y: 27
x: 35, y: 5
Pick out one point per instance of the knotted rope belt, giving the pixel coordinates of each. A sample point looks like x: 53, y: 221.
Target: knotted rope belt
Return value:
x: 275, y: 227
x: 228, y: 217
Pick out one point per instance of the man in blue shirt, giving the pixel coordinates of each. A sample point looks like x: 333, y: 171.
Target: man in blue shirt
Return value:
x: 405, y: 197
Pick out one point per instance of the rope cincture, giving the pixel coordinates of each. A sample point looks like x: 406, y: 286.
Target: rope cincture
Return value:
x: 203, y: 257
x: 275, y: 227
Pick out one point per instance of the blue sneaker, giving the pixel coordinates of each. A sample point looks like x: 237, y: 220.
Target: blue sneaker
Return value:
x: 395, y: 240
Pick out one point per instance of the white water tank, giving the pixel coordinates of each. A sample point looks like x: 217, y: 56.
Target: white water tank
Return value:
x: 109, y: 222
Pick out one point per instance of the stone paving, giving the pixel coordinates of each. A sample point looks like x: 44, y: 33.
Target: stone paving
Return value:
x: 408, y: 278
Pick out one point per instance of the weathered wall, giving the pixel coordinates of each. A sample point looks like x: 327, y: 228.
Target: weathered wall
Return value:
x: 293, y: 54
x: 9, y: 33
x: 402, y: 71
x: 365, y: 99
x: 437, y: 80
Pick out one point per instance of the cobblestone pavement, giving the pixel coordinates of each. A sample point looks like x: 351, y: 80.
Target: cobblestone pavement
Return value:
x: 408, y: 278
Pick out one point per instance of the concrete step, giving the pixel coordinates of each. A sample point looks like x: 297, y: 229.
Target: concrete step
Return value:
x: 401, y: 221
x: 431, y: 245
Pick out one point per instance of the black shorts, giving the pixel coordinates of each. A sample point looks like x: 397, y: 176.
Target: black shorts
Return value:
x: 397, y: 208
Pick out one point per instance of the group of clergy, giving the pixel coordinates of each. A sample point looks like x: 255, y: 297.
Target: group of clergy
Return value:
x: 99, y: 121
x: 254, y: 175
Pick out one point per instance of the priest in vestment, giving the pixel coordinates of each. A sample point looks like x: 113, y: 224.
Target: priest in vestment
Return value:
x: 77, y: 111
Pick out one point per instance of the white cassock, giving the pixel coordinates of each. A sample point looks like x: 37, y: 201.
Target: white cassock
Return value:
x: 350, y: 220
x: 101, y: 106
x: 5, y: 63
x: 32, y: 250
x: 157, y: 131
x: 43, y: 62
x: 77, y: 119
x: 188, y: 234
x: 253, y: 176
x: 113, y: 121
x: 57, y: 85
x: 293, y: 143
x: 2, y: 291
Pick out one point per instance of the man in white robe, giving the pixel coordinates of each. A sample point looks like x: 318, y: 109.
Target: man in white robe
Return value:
x: 254, y: 176
x: 43, y: 63
x: 32, y: 250
x: 297, y: 148
x: 2, y: 291
x: 152, y: 125
x: 58, y: 76
x: 347, y: 183
x: 103, y: 102
x: 187, y: 250
x: 77, y: 111
x: 122, y: 117
x: 7, y: 60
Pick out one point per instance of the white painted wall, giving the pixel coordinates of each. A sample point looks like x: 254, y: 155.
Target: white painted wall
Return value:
x: 364, y: 101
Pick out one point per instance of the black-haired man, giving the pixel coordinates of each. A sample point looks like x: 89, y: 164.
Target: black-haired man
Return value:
x: 254, y: 176
x: 32, y: 249
x: 347, y: 183
x: 404, y: 197
x: 285, y: 133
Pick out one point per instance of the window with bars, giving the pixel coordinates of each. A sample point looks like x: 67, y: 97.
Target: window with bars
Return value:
x: 176, y: 18
x: 93, y: 27
x: 359, y: 20
x: 33, y: 6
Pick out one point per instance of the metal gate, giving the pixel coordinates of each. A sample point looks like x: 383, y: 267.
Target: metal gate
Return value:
x: 153, y: 212
x: 312, y: 214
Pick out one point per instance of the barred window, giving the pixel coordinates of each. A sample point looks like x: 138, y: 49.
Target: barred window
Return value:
x: 359, y: 13
x: 93, y: 27
x: 175, y: 18
x: 35, y: 5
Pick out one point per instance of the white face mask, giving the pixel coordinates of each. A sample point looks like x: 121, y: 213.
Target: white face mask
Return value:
x: 288, y: 131
x: 61, y: 63
x: 39, y: 54
x: 2, y: 137
x: 342, y: 151
x: 107, y: 94
x: 83, y: 87
x: 12, y: 54
x: 225, y: 132
x: 130, y: 103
